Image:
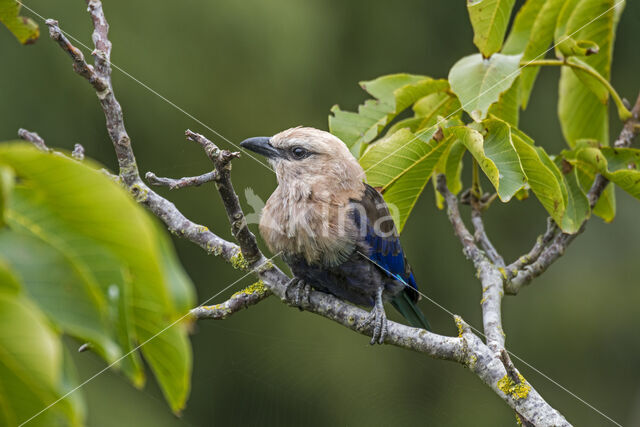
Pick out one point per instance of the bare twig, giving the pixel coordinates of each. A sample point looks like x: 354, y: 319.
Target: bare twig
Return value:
x: 80, y: 66
x: 222, y: 162
x: 555, y: 249
x: 189, y: 181
x: 34, y: 138
x: 481, y: 236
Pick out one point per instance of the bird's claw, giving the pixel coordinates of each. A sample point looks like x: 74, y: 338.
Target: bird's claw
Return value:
x: 379, y: 320
x: 297, y: 293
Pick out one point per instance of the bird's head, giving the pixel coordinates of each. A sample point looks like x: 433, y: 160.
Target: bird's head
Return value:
x: 304, y: 155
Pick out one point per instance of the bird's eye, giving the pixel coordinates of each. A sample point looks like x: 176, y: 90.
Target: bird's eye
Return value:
x: 299, y: 153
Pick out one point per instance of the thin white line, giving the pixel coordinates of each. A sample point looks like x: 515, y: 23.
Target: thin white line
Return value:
x: 515, y: 72
x: 183, y: 111
x: 145, y: 342
x: 483, y: 335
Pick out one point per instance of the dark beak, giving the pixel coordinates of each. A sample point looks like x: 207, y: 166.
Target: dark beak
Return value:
x: 261, y: 145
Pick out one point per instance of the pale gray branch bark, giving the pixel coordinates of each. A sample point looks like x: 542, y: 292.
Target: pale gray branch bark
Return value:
x: 188, y: 181
x: 33, y: 138
x: 467, y: 349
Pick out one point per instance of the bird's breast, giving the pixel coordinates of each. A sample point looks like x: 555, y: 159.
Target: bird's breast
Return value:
x: 319, y: 229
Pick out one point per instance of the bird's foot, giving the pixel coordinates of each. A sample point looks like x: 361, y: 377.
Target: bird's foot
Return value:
x: 297, y: 293
x: 379, y: 319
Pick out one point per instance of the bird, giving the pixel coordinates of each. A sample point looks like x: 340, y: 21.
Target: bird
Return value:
x: 334, y: 231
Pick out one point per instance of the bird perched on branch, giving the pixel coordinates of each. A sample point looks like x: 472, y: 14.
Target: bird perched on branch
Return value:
x: 334, y: 231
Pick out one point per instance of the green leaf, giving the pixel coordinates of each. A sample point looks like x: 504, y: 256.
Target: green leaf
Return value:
x: 618, y: 165
x: 54, y: 280
x: 531, y: 35
x: 507, y: 108
x: 489, y: 19
x: 582, y: 114
x: 400, y: 166
x: 478, y: 82
x: 453, y: 166
x: 577, y: 204
x: 543, y: 176
x: 113, y: 243
x: 25, y: 30
x: 30, y: 367
x: 605, y: 208
x: 393, y: 93
x: 598, y: 89
x: 6, y: 187
x: 495, y: 155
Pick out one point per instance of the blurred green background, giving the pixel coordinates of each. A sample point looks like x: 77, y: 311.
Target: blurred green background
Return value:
x: 256, y: 67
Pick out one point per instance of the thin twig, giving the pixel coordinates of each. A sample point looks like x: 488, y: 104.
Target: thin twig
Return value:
x: 34, y: 138
x: 221, y: 160
x: 188, y: 181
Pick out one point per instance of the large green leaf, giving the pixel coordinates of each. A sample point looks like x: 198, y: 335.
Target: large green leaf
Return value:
x: 531, y: 35
x: 582, y: 114
x: 618, y: 165
x: 436, y: 107
x: 507, y: 108
x: 25, y: 30
x: 542, y: 174
x: 489, y: 19
x: 393, y: 93
x: 54, y: 280
x: 7, y: 181
x: 113, y: 244
x: 30, y: 364
x: 496, y: 155
x: 605, y: 208
x: 400, y: 166
x: 577, y: 204
x: 478, y: 82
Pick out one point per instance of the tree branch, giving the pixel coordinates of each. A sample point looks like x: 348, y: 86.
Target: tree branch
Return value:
x: 34, y: 138
x: 488, y: 273
x: 240, y: 300
x: 221, y: 160
x: 189, y: 181
x: 480, y: 233
x: 466, y: 349
x: 555, y: 249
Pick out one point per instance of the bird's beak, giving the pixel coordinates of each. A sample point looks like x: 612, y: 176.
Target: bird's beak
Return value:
x: 261, y: 145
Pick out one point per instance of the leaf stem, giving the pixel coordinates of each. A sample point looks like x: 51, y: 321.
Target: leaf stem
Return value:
x: 623, y: 111
x: 476, y: 190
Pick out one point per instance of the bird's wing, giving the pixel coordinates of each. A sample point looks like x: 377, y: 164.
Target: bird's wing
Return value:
x: 375, y: 221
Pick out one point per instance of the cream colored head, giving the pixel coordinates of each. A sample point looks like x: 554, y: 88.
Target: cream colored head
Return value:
x: 304, y: 155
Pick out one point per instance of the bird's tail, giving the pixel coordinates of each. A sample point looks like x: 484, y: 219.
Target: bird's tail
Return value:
x: 410, y: 311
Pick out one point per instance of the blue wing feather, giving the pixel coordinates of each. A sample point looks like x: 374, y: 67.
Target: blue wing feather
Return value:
x: 384, y: 244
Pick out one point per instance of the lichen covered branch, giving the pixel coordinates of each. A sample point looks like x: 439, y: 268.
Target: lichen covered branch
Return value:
x: 488, y: 273
x: 240, y: 300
